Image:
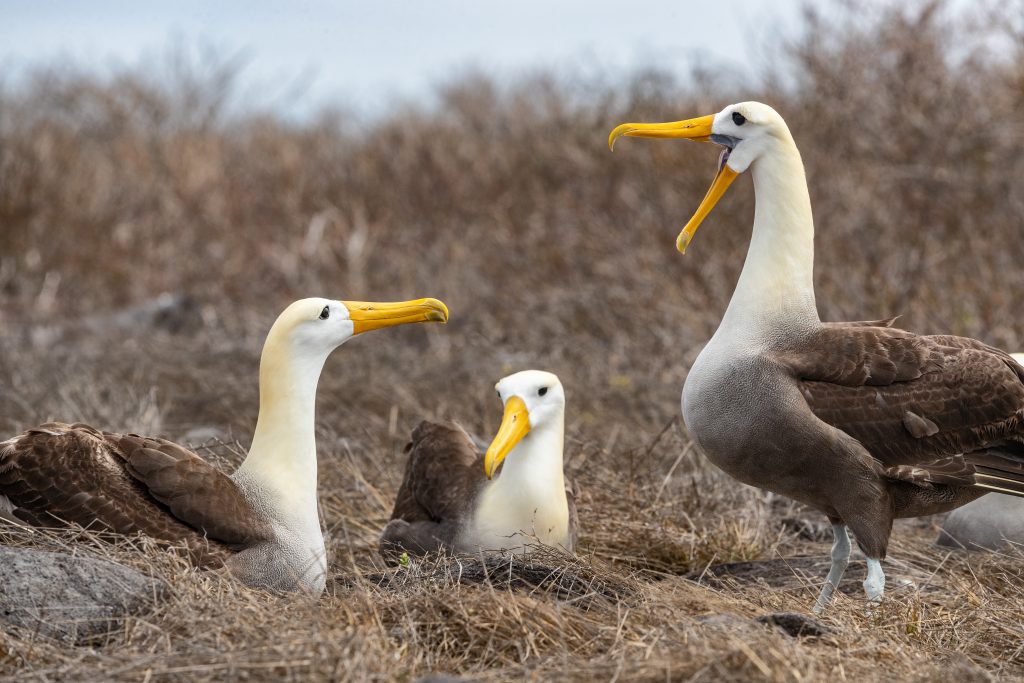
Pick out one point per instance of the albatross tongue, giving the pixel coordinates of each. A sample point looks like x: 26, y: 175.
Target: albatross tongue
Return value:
x: 723, y: 157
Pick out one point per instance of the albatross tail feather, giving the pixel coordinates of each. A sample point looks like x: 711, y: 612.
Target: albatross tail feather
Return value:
x: 998, y: 470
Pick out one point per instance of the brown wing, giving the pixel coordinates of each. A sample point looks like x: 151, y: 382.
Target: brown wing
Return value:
x: 933, y: 409
x: 443, y: 476
x: 193, y: 490
x: 59, y: 473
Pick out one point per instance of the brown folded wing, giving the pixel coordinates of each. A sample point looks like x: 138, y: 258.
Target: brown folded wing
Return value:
x: 59, y: 473
x: 931, y: 409
x: 443, y: 476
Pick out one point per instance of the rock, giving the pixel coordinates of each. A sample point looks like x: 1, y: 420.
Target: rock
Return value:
x: 991, y: 522
x: 791, y: 623
x: 796, y: 625
x: 69, y: 598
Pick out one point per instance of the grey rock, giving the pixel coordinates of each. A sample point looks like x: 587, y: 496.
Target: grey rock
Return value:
x: 992, y: 522
x: 796, y: 625
x: 68, y: 598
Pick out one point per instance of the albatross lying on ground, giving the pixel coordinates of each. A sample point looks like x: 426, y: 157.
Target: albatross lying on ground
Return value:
x: 261, y: 522
x: 451, y: 498
x: 862, y: 421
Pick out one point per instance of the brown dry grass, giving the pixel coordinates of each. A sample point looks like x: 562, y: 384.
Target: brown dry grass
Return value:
x: 504, y: 201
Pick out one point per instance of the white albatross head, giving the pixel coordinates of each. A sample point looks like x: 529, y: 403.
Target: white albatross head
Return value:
x: 747, y: 131
x: 314, y: 327
x: 533, y: 401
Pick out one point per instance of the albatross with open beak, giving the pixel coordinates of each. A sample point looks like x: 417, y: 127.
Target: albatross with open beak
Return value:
x: 454, y: 497
x: 860, y: 420
x: 262, y: 521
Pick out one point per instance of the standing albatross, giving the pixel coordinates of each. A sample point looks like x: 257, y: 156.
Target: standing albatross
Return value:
x: 262, y: 521
x: 451, y: 498
x: 860, y: 420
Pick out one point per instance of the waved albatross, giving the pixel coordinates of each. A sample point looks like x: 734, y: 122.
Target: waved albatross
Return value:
x: 261, y: 522
x: 861, y: 420
x: 450, y: 496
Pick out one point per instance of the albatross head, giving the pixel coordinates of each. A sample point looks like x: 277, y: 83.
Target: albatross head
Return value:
x: 316, y: 326
x: 746, y: 131
x: 534, y: 400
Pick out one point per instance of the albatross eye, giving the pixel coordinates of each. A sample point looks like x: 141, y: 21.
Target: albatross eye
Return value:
x: 326, y: 313
x: 738, y: 118
x: 542, y: 391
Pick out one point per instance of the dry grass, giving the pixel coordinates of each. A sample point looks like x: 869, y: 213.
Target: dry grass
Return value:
x: 504, y: 201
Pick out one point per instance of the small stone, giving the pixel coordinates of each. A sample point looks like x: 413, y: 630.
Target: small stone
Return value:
x: 796, y: 625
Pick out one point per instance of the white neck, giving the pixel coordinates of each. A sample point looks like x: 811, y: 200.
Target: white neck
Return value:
x: 776, y: 287
x: 282, y: 459
x: 535, y: 464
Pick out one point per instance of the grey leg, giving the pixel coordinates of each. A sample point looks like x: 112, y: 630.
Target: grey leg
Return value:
x: 840, y: 560
x: 874, y: 585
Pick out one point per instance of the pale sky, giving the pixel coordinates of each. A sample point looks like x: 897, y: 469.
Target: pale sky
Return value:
x: 364, y: 54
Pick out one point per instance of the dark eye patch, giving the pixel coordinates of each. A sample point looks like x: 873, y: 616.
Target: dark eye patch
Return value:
x: 326, y: 313
x: 738, y: 118
x: 542, y: 391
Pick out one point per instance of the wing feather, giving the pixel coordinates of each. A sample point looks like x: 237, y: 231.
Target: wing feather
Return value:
x: 58, y: 473
x: 443, y: 476
x: 931, y: 409
x: 195, y: 492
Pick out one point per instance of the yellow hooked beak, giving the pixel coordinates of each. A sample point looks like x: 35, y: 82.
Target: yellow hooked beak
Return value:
x: 514, y: 426
x: 372, y: 315
x: 698, y: 129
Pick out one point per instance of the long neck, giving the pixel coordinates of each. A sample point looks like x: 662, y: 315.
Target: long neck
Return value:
x: 776, y: 287
x: 282, y: 458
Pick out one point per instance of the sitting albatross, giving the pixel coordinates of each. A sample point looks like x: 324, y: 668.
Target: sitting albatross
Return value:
x: 860, y: 420
x: 261, y: 522
x: 451, y: 498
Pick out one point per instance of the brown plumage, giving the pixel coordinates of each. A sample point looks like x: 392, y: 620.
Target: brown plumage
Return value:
x: 57, y: 474
x: 941, y: 417
x: 918, y: 400
x: 444, y: 477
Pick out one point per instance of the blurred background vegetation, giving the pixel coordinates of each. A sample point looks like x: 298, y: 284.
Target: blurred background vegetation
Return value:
x: 504, y: 200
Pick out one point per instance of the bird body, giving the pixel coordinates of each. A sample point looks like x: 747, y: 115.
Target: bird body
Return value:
x: 451, y: 498
x: 861, y: 420
x: 261, y: 522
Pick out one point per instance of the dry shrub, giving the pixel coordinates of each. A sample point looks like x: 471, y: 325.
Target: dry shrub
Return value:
x: 503, y: 200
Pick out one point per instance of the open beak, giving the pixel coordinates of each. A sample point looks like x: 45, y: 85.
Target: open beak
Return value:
x: 372, y: 315
x: 514, y: 426
x: 698, y: 129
